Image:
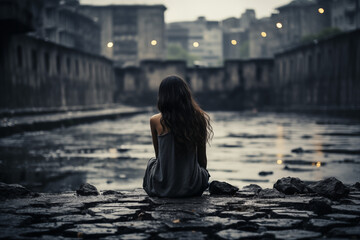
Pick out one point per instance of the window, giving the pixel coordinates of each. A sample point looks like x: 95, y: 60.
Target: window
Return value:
x: 68, y: 65
x: 19, y: 56
x: 47, y: 62
x: 33, y: 59
x: 77, y: 67
x: 58, y: 64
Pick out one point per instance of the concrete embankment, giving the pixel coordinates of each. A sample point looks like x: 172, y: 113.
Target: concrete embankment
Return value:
x: 291, y: 210
x: 46, y: 120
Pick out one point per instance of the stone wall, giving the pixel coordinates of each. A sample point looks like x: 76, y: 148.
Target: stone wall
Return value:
x: 238, y: 83
x: 325, y: 73
x: 36, y: 73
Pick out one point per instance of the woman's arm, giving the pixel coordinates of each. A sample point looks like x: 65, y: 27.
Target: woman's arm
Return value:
x: 202, y: 155
x: 154, y: 134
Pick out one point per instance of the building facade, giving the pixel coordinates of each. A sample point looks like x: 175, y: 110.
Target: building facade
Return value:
x: 203, y: 40
x: 60, y: 22
x: 130, y: 33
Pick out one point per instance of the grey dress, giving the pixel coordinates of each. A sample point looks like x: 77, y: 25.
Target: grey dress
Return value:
x: 176, y: 172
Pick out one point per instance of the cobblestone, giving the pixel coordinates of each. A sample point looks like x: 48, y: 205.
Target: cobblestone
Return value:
x: 134, y: 215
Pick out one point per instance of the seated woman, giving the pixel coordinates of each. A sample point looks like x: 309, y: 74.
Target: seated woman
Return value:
x: 179, y: 133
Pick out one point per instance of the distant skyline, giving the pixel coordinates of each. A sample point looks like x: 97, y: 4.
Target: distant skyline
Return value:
x: 189, y: 10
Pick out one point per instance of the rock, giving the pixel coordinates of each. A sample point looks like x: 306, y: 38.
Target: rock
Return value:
x: 237, y: 234
x: 320, y: 206
x: 112, y: 192
x: 270, y: 193
x: 290, y: 185
x: 252, y: 187
x: 183, y: 235
x: 330, y: 188
x: 347, y: 208
x: 279, y: 223
x: 13, y: 191
x: 348, y: 232
x: 222, y: 188
x: 264, y: 173
x: 318, y: 223
x: 294, y: 234
x: 87, y: 189
x: 356, y: 185
x: 297, y: 150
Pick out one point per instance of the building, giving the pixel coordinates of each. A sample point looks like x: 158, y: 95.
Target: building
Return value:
x: 236, y: 35
x: 130, y: 33
x: 203, y: 40
x: 60, y: 22
x: 345, y: 14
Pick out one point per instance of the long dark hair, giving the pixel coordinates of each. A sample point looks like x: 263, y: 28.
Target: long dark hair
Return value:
x: 181, y: 114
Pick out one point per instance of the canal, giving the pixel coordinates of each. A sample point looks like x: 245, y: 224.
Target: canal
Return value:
x: 247, y: 148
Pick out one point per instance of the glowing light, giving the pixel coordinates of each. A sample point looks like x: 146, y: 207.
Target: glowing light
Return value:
x: 154, y: 42
x: 279, y: 161
x: 321, y: 10
x: 263, y: 34
x: 279, y: 25
x: 110, y: 44
x: 318, y: 164
x: 233, y: 42
x: 196, y: 44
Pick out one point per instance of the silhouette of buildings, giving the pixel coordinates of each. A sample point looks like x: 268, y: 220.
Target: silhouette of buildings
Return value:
x: 203, y: 40
x: 130, y: 33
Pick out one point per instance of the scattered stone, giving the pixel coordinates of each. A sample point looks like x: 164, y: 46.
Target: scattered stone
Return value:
x: 222, y: 188
x: 87, y: 189
x: 237, y: 234
x: 147, y: 226
x: 318, y: 223
x: 346, y: 208
x: 290, y: 185
x: 320, y: 205
x: 348, y: 232
x: 297, y: 150
x: 252, y: 187
x: 183, y: 235
x: 92, y: 230
x: 299, y: 214
x: 13, y: 191
x: 330, y: 188
x: 129, y: 236
x: 265, y: 173
x: 270, y: 193
x: 356, y: 185
x: 344, y: 217
x: 279, y: 223
x: 242, y: 215
x: 295, y: 234
x: 111, y: 192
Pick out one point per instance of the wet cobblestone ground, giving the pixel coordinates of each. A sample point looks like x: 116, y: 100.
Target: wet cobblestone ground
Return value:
x: 133, y: 215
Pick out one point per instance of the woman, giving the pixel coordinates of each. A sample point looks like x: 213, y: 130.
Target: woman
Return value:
x: 179, y: 133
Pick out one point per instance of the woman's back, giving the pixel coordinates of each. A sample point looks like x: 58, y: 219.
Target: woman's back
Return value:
x: 179, y: 133
x: 176, y: 172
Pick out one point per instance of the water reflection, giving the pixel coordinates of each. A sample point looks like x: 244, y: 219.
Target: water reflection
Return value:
x: 114, y: 154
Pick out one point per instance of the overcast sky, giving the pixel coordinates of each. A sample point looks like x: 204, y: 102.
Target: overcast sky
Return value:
x: 189, y: 10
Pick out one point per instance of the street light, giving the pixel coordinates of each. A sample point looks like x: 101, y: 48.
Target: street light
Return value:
x: 154, y: 42
x: 263, y: 34
x: 321, y: 10
x: 196, y: 44
x: 233, y: 42
x: 110, y: 44
x: 279, y: 25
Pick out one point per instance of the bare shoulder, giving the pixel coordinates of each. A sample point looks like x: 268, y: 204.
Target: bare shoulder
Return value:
x: 155, y: 119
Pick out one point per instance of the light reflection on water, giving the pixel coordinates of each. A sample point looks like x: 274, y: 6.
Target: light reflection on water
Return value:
x: 114, y: 154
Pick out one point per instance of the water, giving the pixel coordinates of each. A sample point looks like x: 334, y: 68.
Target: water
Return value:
x: 113, y: 154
